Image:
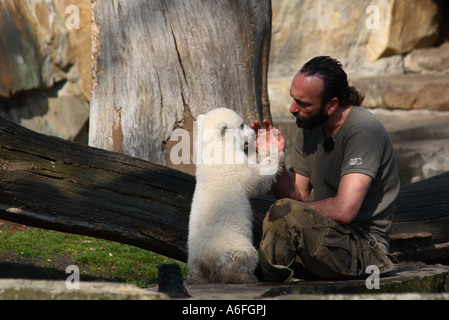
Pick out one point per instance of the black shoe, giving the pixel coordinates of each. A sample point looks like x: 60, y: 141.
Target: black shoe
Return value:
x: 170, y: 281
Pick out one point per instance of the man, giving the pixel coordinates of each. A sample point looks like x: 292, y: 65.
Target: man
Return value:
x: 337, y: 200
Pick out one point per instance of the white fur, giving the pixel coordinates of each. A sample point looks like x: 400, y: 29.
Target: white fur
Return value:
x: 220, y: 230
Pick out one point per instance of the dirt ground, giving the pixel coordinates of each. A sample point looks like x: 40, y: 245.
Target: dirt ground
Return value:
x: 13, y: 227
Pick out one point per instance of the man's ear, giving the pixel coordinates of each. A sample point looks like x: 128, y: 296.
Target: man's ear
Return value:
x: 332, y: 105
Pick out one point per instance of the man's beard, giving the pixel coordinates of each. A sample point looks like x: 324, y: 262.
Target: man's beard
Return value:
x: 314, y: 121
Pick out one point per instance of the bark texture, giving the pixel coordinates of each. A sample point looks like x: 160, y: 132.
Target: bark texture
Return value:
x: 158, y: 64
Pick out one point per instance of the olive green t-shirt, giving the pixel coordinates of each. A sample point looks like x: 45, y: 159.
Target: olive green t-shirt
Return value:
x: 362, y: 145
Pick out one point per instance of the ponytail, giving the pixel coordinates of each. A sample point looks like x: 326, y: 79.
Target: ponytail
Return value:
x: 353, y: 97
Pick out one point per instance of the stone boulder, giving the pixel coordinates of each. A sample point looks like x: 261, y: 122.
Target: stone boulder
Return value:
x: 433, y: 60
x: 34, y: 47
x: 403, y: 26
x: 45, y: 78
x: 24, y: 289
x: 357, y: 33
x: 405, y: 91
x: 80, y: 39
x: 390, y: 69
x: 421, y: 141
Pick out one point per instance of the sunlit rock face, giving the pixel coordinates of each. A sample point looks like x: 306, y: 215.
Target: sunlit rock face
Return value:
x: 45, y: 66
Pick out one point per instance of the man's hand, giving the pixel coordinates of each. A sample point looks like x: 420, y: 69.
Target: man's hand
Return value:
x: 267, y: 136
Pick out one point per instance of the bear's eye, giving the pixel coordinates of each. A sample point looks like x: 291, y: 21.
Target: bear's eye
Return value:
x: 242, y: 126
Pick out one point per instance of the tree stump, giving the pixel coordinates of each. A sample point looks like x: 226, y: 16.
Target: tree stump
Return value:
x: 158, y: 64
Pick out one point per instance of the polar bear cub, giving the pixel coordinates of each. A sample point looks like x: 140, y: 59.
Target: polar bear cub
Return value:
x: 219, y: 244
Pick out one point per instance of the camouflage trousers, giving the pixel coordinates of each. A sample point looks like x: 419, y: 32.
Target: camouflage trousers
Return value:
x: 298, y: 241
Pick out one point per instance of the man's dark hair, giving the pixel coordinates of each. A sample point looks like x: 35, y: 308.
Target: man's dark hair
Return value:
x: 335, y: 81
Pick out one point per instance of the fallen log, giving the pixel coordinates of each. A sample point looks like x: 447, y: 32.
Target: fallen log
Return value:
x: 421, y: 223
x: 51, y: 183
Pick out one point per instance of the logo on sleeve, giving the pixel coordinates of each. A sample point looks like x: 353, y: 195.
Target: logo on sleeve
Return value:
x: 355, y: 161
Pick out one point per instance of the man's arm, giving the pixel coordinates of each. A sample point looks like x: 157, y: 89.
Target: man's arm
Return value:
x: 345, y: 206
x: 292, y: 185
x: 342, y: 208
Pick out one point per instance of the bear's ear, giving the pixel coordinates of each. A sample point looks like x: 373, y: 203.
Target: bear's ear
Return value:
x: 200, y: 117
x: 222, y: 126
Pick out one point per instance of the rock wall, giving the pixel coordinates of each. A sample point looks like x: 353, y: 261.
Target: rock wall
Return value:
x: 45, y: 65
x: 360, y: 33
x: 371, y: 38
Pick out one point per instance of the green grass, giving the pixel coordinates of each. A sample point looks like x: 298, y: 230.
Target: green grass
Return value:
x: 96, y: 258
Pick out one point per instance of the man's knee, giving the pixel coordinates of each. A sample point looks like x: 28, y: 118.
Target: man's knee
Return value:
x: 281, y: 231
x: 279, y: 209
x: 291, y: 212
